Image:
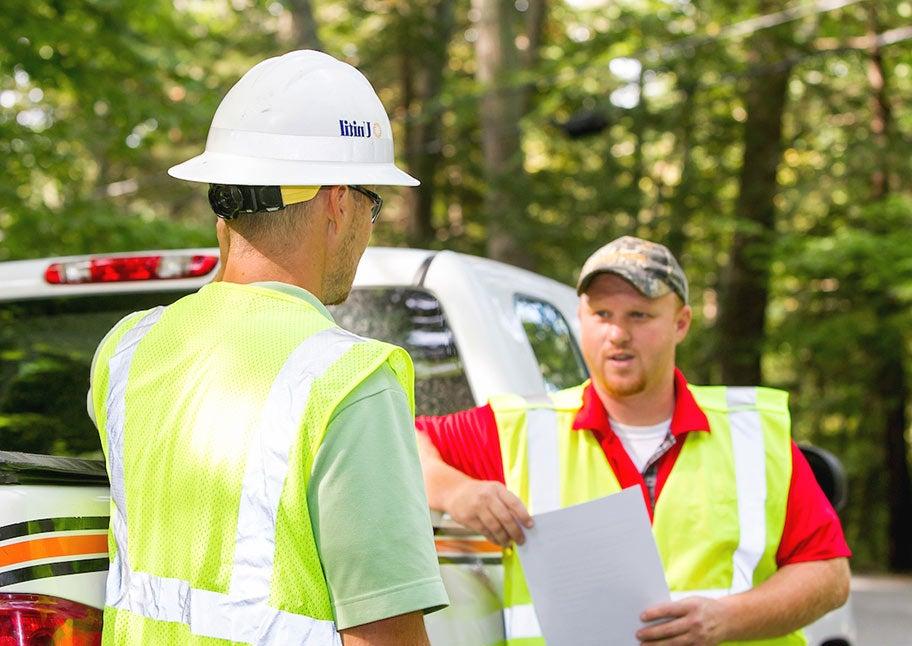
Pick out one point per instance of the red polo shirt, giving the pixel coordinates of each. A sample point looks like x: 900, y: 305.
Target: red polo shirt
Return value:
x: 468, y: 441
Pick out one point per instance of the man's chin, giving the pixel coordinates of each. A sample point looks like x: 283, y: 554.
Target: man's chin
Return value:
x: 337, y: 299
x: 624, y: 388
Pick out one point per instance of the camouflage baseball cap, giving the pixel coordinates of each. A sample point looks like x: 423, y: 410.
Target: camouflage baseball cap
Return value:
x: 646, y: 265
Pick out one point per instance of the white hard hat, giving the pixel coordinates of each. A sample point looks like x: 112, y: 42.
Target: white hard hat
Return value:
x: 304, y: 118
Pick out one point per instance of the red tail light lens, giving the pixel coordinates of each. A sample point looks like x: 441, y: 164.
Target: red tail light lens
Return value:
x: 38, y: 620
x: 122, y: 269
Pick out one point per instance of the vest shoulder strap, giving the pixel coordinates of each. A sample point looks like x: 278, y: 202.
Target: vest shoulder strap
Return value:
x: 507, y: 403
x: 725, y: 399
x: 569, y: 399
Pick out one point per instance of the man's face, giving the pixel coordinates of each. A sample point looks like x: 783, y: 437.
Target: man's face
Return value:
x: 345, y: 263
x: 628, y: 340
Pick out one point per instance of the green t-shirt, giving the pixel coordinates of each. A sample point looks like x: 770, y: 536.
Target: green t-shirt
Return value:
x: 368, y: 507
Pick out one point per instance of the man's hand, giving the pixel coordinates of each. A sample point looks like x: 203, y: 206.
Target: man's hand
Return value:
x: 486, y: 506
x: 795, y: 596
x: 694, y: 621
x: 489, y: 508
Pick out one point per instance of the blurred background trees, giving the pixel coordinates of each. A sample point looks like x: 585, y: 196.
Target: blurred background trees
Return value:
x: 767, y: 142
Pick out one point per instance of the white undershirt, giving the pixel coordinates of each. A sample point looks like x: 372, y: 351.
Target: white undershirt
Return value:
x: 641, y: 442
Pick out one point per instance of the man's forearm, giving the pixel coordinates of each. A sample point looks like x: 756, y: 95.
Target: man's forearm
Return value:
x: 483, y: 505
x: 440, y: 479
x: 404, y: 630
x: 792, y: 598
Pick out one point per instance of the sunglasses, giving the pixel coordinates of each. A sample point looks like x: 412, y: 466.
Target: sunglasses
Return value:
x: 376, y: 200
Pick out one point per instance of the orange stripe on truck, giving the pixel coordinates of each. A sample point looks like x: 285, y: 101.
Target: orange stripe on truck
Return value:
x: 467, y: 546
x: 51, y: 547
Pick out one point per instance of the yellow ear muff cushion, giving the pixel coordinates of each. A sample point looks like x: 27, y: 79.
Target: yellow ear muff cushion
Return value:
x: 295, y: 194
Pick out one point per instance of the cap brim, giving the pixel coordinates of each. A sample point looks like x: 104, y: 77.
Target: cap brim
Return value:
x: 620, y: 272
x: 221, y: 168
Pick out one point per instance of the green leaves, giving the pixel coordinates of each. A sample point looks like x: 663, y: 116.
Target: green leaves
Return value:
x: 99, y: 97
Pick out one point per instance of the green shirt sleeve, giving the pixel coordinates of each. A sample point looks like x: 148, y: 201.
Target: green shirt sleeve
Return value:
x: 369, y: 510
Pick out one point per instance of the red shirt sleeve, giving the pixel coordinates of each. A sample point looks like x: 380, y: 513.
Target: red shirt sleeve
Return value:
x: 467, y: 440
x: 812, y: 529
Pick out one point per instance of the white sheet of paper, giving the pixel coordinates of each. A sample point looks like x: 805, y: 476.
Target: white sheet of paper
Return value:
x: 592, y: 569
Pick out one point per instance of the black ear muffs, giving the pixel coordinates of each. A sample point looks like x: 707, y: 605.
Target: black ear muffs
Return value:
x: 228, y: 201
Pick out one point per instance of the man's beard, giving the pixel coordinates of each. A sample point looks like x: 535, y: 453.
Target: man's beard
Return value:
x: 626, y: 389
x: 338, y: 280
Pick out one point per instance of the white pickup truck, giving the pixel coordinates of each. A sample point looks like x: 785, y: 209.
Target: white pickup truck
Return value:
x: 474, y: 327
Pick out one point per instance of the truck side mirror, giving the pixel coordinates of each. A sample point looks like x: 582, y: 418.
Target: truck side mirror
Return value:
x: 830, y: 474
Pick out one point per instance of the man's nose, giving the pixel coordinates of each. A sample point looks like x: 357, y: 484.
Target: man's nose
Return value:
x: 618, y: 334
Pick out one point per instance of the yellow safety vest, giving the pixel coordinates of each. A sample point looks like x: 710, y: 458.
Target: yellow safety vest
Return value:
x: 211, y: 412
x: 719, y: 519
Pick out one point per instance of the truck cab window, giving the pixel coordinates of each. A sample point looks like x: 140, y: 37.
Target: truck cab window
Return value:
x: 46, y: 350
x: 558, y: 356
x: 413, y: 319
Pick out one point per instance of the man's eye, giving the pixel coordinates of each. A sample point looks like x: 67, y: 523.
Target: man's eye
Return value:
x: 639, y: 315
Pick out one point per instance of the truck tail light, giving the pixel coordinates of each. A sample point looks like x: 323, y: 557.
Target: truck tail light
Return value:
x: 121, y: 269
x: 39, y: 620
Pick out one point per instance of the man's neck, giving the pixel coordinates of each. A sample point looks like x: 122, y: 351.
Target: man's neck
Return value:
x: 250, y: 266
x: 647, y: 408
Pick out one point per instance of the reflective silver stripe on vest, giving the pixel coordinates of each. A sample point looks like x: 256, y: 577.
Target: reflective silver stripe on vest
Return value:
x: 750, y: 477
x: 749, y: 456
x: 544, y: 459
x: 521, y: 622
x: 242, y: 615
x: 544, y: 495
x: 119, y: 367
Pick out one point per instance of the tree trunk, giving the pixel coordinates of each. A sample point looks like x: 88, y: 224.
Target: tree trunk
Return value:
x: 536, y: 18
x: 893, y: 389
x: 305, y: 25
x: 638, y: 114
x: 680, y: 212
x: 423, y: 78
x: 745, y: 285
x: 497, y: 73
x: 882, y: 113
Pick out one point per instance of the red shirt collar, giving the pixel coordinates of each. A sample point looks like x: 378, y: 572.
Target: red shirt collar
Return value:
x: 686, y: 417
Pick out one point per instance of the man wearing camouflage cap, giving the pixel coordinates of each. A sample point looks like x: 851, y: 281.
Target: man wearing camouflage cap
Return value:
x: 751, y: 547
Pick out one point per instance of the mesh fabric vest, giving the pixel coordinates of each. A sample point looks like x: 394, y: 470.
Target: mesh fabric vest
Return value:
x: 211, y: 412
x: 719, y: 519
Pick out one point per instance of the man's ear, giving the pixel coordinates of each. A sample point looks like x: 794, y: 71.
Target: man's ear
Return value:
x: 337, y: 211
x: 223, y: 235
x: 683, y: 317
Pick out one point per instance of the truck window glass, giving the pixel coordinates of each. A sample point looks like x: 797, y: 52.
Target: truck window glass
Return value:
x: 413, y: 319
x: 555, y: 349
x: 46, y: 349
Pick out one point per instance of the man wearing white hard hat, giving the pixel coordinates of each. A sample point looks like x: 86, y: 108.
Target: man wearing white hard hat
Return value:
x: 265, y: 485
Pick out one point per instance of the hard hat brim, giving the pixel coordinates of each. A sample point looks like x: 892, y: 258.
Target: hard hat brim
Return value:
x: 222, y: 168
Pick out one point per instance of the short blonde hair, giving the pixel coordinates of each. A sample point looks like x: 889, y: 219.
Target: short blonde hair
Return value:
x: 265, y: 226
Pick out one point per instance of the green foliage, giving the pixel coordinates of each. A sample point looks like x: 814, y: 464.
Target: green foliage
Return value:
x: 847, y: 304
x: 43, y: 409
x: 98, y: 98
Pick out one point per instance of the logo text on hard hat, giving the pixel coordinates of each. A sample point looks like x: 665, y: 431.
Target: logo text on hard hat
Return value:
x: 354, y: 128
